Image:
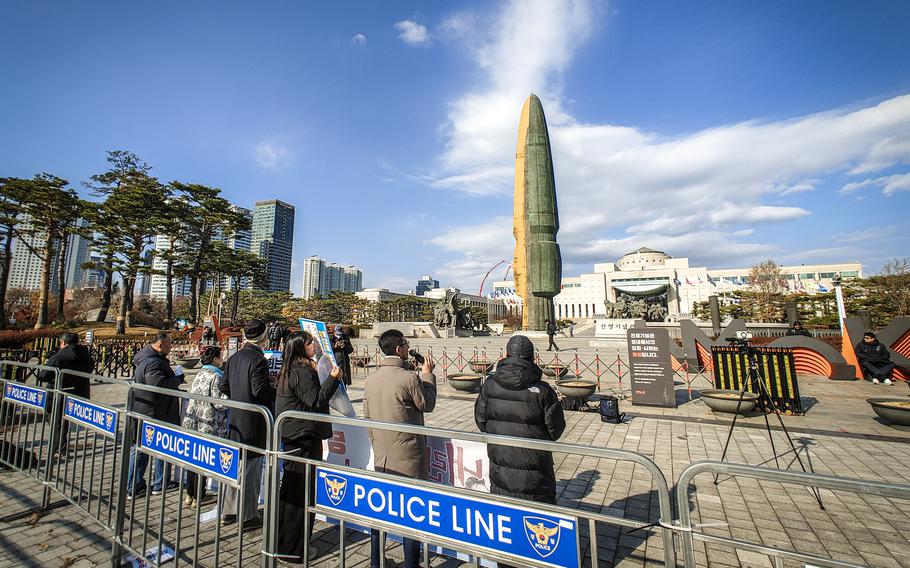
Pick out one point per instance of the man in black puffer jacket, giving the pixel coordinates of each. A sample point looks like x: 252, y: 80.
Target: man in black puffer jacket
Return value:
x: 70, y: 357
x: 516, y: 402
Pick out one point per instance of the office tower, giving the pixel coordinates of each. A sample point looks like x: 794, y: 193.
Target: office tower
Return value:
x: 240, y: 240
x: 321, y: 277
x: 144, y: 279
x: 425, y: 284
x: 273, y: 239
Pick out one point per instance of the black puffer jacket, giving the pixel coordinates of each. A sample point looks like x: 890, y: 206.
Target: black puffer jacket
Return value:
x: 153, y: 369
x: 874, y: 352
x: 303, y: 392
x: 70, y: 358
x: 517, y: 403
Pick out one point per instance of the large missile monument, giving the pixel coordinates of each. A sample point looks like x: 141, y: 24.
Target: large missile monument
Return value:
x: 537, y: 265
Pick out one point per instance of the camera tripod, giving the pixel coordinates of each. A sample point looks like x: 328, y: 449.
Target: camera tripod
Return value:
x: 759, y: 387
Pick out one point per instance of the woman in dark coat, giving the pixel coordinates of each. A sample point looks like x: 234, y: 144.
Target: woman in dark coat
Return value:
x: 299, y: 389
x: 516, y: 402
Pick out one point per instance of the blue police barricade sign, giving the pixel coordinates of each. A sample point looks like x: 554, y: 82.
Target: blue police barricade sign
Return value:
x: 527, y: 533
x: 26, y: 396
x: 220, y: 460
x: 91, y: 415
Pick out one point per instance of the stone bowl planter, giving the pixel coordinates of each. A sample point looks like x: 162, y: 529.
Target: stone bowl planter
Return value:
x: 188, y: 362
x: 555, y: 371
x: 465, y: 382
x: 720, y: 400
x: 892, y: 410
x: 481, y: 366
x: 576, y: 387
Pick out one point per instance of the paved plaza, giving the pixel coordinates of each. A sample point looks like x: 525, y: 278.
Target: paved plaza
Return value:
x: 838, y: 435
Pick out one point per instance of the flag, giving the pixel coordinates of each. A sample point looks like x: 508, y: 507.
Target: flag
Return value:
x: 700, y: 280
x: 822, y: 288
x: 677, y: 282
x: 711, y: 281
x: 689, y: 283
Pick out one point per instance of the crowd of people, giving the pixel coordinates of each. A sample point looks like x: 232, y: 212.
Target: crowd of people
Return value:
x: 515, y: 402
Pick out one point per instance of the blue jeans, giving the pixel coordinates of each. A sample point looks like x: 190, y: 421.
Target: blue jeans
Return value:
x: 138, y: 462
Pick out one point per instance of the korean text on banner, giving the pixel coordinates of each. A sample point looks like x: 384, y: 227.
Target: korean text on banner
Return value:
x: 91, y: 415
x: 525, y: 533
x: 319, y: 331
x: 215, y: 458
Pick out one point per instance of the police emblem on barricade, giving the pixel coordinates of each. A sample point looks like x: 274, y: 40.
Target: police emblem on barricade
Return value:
x: 109, y: 420
x: 149, y: 434
x: 335, y: 488
x: 543, y: 534
x: 226, y: 458
x: 69, y: 405
x: 40, y: 398
x: 9, y: 389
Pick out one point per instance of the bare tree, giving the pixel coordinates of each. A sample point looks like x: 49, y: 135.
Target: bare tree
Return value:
x: 768, y: 283
x: 894, y: 283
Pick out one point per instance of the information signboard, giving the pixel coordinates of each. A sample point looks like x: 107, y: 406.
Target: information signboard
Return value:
x: 524, y: 533
x: 650, y: 367
x: 323, y: 342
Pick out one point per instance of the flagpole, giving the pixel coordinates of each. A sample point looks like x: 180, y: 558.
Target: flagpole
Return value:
x: 841, y: 310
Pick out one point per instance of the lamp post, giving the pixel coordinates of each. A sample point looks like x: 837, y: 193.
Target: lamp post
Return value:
x: 839, y: 295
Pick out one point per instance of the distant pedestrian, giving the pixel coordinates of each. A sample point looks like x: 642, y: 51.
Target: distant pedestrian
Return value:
x: 153, y: 369
x: 343, y: 348
x: 798, y: 329
x: 551, y: 331
x: 874, y: 359
x: 395, y: 394
x: 246, y: 379
x: 70, y: 356
x: 571, y: 329
x: 517, y: 402
x: 276, y: 332
x: 299, y: 389
x: 204, y: 416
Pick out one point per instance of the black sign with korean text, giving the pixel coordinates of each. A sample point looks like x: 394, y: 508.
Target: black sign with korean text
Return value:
x: 650, y: 367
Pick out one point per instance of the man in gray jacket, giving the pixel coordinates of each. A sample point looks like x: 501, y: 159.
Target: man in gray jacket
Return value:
x: 395, y: 394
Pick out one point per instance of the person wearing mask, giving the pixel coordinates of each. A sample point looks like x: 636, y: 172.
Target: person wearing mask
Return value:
x: 874, y: 359
x: 246, y: 379
x: 204, y: 416
x: 551, y: 331
x: 298, y: 388
x: 342, y: 346
x: 70, y: 356
x: 395, y: 394
x: 798, y: 329
x: 152, y: 368
x: 517, y: 402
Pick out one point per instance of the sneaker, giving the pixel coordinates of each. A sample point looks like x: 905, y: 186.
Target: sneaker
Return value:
x: 874, y: 381
x: 188, y: 500
x: 887, y: 381
x: 137, y: 493
x: 169, y: 487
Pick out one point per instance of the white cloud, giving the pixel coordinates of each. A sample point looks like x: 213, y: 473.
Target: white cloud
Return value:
x: 695, y: 194
x: 412, y: 33
x: 359, y: 39
x: 889, y: 184
x: 271, y: 155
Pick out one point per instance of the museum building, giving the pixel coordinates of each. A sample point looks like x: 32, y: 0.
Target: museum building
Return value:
x: 654, y: 278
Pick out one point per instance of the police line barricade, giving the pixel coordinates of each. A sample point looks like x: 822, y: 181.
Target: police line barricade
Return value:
x: 152, y: 526
x: 484, y: 525
x: 88, y: 439
x: 25, y: 431
x: 778, y: 555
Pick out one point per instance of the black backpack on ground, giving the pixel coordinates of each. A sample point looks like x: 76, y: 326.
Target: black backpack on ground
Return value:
x: 609, y: 410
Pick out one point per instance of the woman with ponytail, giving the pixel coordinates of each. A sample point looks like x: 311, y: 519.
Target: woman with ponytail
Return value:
x: 299, y: 389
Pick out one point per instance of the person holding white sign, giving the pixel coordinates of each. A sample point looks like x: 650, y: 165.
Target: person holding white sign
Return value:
x: 299, y: 389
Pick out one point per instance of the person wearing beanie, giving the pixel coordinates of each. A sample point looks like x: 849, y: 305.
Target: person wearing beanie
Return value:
x: 246, y: 379
x: 516, y: 402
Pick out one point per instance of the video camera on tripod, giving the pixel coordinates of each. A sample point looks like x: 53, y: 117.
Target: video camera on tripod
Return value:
x: 741, y: 339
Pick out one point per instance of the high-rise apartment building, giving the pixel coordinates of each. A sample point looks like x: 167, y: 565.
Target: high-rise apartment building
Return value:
x: 240, y: 240
x: 25, y: 268
x: 425, y: 284
x: 273, y: 239
x: 158, y: 281
x: 321, y: 277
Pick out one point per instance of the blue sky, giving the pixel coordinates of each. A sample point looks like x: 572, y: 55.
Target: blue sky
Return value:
x: 727, y: 132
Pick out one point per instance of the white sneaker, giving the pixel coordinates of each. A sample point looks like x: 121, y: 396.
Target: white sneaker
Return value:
x: 874, y: 381
x: 887, y: 381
